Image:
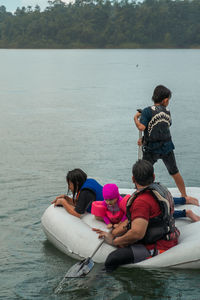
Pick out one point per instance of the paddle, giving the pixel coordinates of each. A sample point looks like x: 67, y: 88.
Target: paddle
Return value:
x: 82, y: 268
x: 140, y: 136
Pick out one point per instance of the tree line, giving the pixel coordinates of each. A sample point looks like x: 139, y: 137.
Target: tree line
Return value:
x: 103, y: 24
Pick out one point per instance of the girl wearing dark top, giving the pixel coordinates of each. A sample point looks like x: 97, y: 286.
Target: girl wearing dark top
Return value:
x: 84, y: 192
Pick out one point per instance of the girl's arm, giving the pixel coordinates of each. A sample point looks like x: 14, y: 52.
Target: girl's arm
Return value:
x: 106, y: 220
x: 70, y: 200
x: 123, y: 218
x: 69, y: 208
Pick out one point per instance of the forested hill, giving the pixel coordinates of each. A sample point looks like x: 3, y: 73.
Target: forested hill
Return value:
x: 103, y: 24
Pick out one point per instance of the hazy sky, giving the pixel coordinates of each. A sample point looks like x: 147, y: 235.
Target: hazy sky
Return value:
x: 11, y: 5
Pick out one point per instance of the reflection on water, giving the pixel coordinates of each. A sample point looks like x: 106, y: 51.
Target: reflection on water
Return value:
x: 133, y: 284
x: 96, y: 285
x: 74, y: 108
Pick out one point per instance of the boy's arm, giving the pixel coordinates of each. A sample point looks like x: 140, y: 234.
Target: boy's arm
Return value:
x: 139, y: 125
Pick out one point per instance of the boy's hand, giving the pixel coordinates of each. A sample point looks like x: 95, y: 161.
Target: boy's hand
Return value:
x: 139, y: 142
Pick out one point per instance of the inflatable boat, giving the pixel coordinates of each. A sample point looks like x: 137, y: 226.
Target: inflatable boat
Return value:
x: 75, y: 237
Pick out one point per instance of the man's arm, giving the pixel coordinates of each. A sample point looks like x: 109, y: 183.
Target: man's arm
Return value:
x: 136, y: 233
x: 121, y: 229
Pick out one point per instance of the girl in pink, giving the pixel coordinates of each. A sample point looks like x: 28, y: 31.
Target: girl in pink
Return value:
x: 109, y: 209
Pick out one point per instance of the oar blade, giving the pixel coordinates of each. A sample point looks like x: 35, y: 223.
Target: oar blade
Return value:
x: 80, y: 269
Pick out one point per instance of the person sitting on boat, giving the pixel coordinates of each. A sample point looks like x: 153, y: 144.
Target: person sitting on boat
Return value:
x: 184, y: 213
x: 84, y: 192
x: 112, y: 214
x: 109, y: 210
x: 150, y: 227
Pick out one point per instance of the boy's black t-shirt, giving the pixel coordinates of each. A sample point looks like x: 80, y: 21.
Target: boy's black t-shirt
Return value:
x: 86, y: 197
x: 155, y: 147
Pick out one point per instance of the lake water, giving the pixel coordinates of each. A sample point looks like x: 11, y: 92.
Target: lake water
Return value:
x: 62, y: 109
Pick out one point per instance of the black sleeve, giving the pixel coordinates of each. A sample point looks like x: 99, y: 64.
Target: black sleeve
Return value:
x: 85, y: 198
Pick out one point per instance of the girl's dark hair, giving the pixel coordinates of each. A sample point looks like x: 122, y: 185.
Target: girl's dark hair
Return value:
x: 143, y: 172
x: 160, y: 93
x: 77, y: 177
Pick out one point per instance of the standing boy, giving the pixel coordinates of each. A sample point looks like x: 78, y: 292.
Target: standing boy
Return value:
x: 155, y: 121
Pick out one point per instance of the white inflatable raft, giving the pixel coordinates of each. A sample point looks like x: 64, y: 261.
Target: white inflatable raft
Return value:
x: 75, y: 237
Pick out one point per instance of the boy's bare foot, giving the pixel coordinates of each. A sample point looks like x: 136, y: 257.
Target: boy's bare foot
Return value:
x: 192, y: 200
x: 192, y: 216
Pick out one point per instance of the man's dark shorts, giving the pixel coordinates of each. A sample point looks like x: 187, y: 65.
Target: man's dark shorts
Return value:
x: 127, y: 255
x: 168, y: 159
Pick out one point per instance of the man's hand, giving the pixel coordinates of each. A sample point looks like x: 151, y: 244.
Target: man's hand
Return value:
x: 105, y: 235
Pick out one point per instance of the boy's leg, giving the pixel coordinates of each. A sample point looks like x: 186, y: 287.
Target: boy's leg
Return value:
x: 191, y: 200
x: 180, y: 184
x: 170, y: 163
x: 185, y: 200
x: 186, y: 213
x: 179, y: 200
x: 179, y: 214
x: 192, y: 216
x: 151, y: 157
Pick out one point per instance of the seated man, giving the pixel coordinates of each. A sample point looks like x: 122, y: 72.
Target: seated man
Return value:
x: 150, y: 227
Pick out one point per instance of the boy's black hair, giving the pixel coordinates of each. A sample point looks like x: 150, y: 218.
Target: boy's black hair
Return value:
x: 160, y: 93
x: 143, y: 172
x: 77, y: 177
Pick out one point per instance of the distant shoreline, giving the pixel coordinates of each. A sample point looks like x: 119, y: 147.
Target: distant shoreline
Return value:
x: 106, y: 48
x: 103, y: 24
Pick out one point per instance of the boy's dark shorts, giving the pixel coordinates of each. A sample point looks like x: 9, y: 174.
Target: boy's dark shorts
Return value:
x: 168, y: 159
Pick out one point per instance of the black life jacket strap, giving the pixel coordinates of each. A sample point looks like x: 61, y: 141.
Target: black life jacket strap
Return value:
x: 129, y: 204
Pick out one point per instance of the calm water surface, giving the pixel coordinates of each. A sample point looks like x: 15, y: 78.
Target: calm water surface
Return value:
x: 74, y: 108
